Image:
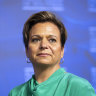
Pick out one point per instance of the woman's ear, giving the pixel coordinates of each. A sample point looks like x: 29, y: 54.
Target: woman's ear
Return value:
x: 62, y: 52
x: 27, y: 53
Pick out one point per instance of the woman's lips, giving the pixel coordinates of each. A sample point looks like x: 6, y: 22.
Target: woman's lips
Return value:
x: 43, y: 54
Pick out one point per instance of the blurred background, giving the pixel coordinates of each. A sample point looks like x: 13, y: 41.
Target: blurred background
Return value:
x: 79, y: 18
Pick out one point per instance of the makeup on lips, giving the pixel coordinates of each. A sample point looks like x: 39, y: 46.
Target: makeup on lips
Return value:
x: 43, y: 54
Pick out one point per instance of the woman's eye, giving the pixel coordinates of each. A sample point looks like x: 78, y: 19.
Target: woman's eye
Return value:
x: 52, y: 40
x: 35, y: 40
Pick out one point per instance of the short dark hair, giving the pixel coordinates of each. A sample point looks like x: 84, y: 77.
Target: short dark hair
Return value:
x: 40, y: 17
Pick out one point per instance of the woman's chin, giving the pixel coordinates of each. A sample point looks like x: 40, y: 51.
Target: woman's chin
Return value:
x: 43, y: 63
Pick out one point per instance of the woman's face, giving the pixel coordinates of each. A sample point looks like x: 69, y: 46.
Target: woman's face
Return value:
x: 44, y: 45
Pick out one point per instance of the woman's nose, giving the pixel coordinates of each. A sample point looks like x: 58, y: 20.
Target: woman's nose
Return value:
x: 44, y: 44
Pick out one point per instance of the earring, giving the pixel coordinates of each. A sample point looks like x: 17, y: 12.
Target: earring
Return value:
x: 28, y: 60
x: 62, y: 61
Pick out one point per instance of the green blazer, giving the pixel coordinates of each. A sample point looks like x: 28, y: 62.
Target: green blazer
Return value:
x: 60, y: 83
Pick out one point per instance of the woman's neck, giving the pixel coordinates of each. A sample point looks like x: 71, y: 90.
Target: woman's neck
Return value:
x: 42, y: 73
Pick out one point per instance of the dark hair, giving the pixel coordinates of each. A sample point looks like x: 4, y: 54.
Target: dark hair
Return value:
x: 43, y: 16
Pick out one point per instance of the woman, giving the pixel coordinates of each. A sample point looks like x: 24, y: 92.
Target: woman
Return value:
x: 44, y: 38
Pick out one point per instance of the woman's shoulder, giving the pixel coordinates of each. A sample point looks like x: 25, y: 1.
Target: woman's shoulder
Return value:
x: 76, y: 80
x: 19, y: 89
x: 79, y: 85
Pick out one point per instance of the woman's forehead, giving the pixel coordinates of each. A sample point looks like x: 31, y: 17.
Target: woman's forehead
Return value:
x: 46, y: 28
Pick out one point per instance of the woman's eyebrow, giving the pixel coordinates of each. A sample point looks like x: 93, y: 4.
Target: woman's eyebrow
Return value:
x: 52, y: 36
x: 40, y: 36
x: 35, y: 36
